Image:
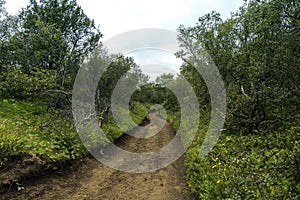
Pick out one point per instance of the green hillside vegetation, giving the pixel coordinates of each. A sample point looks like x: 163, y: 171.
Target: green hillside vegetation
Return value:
x: 27, y: 128
x: 256, y: 52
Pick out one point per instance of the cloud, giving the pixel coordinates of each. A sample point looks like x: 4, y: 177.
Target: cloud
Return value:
x: 155, y: 62
x: 155, y: 56
x: 115, y: 16
x: 154, y: 71
x: 153, y: 48
x: 13, y: 6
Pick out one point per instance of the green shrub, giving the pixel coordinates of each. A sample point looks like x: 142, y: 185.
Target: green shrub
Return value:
x: 27, y: 128
x: 17, y: 84
x: 246, y: 167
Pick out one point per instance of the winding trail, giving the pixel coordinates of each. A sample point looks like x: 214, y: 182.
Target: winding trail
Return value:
x: 93, y: 180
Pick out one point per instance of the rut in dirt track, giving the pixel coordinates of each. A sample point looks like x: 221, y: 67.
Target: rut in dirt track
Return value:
x: 93, y: 180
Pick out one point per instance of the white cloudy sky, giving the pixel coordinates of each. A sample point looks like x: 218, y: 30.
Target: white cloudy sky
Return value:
x: 118, y: 16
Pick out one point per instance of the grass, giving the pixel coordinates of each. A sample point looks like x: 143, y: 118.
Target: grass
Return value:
x: 253, y: 166
x: 27, y: 128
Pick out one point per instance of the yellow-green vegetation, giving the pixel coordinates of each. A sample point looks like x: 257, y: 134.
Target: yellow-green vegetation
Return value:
x: 138, y: 114
x: 255, y: 166
x: 27, y: 128
x: 258, y: 156
x: 256, y: 51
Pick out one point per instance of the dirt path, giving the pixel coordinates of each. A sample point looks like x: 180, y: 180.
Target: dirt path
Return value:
x: 93, y: 180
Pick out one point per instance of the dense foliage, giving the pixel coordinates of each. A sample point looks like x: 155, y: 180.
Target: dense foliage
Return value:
x: 27, y: 128
x: 51, y: 35
x: 257, y: 54
x: 246, y: 167
x: 42, y: 49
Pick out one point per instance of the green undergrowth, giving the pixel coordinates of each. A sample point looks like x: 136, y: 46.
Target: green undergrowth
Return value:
x: 137, y: 115
x: 27, y: 128
x: 253, y: 166
x: 139, y: 112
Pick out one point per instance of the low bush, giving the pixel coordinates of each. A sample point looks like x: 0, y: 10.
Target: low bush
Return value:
x: 14, y: 83
x: 247, y: 167
x: 28, y: 128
